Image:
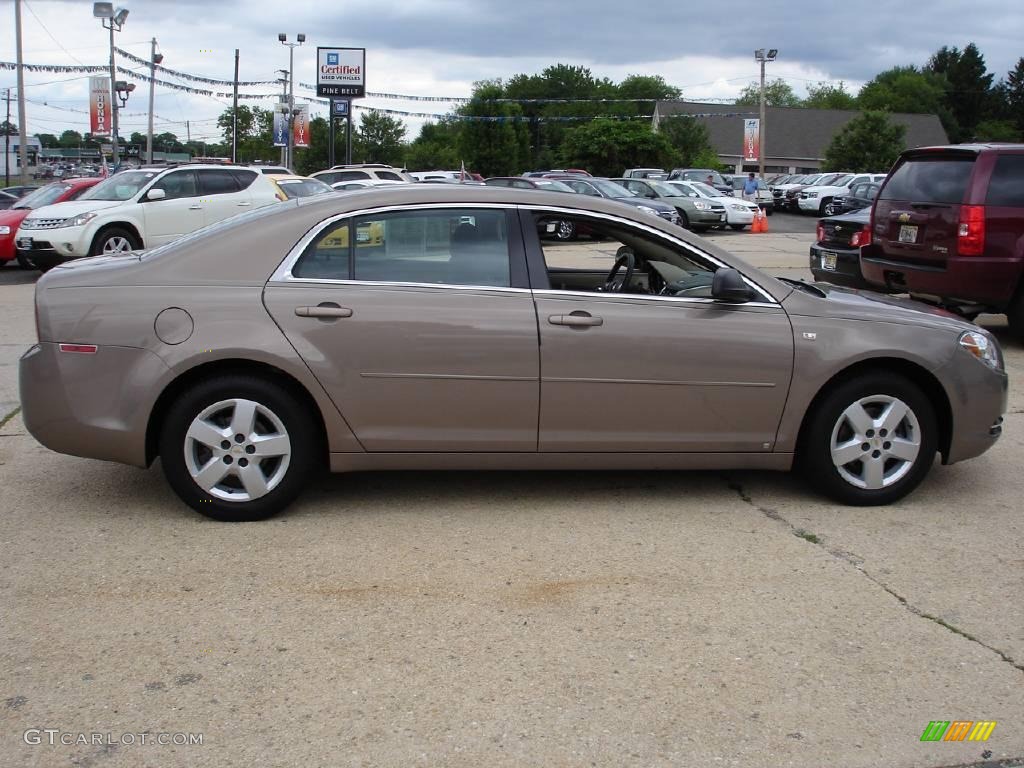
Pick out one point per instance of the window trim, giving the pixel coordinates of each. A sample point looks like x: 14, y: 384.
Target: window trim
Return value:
x: 518, y: 273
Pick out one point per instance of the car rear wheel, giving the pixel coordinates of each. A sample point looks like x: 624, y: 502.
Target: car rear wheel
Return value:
x: 828, y: 208
x: 25, y: 262
x: 114, y: 240
x: 870, y: 441
x: 684, y: 220
x: 238, y: 449
x: 565, y: 230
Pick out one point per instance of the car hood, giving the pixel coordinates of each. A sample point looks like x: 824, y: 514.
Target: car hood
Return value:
x: 72, y: 208
x: 12, y: 216
x: 645, y: 201
x: 860, y: 216
x: 852, y: 304
x: 827, y: 188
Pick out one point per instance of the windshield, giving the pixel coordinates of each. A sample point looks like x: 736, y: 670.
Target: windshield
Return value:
x: 704, y: 190
x: 664, y: 189
x: 42, y: 196
x: 293, y: 188
x: 716, y: 178
x: 844, y: 179
x: 611, y: 189
x: 552, y: 186
x: 120, y: 186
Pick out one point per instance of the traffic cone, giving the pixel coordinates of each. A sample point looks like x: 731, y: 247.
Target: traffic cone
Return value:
x: 764, y: 220
x: 755, y: 225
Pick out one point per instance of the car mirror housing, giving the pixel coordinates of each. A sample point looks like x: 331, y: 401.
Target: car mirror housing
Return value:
x: 728, y: 285
x: 156, y: 194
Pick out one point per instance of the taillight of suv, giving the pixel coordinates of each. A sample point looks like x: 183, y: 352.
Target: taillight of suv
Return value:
x: 971, y: 232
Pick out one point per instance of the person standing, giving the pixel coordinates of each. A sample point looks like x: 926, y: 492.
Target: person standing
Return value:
x: 750, y: 188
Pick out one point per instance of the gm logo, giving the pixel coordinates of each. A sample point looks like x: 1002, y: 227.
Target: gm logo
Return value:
x: 332, y: 59
x: 958, y: 730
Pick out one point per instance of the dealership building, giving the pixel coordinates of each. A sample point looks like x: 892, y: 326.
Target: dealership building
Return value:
x: 795, y: 138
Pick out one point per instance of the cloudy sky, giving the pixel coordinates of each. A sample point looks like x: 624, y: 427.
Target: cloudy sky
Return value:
x: 440, y: 47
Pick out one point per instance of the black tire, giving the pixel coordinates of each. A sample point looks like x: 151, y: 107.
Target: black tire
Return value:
x: 684, y: 220
x: 827, y: 207
x: 565, y: 230
x: 699, y: 228
x: 24, y: 262
x: 1015, y: 315
x: 108, y: 234
x: 814, y: 457
x: 739, y: 227
x: 304, y: 460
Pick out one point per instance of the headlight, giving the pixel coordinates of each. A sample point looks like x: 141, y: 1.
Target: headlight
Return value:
x: 739, y: 207
x: 983, y: 348
x: 702, y: 206
x: 647, y: 209
x: 812, y: 194
x: 79, y: 220
x: 4, y: 229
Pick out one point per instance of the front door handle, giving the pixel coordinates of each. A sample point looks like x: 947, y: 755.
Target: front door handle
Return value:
x: 242, y: 205
x: 195, y: 207
x: 325, y: 310
x: 576, y: 320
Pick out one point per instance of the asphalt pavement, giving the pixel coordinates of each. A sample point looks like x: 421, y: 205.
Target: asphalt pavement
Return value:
x: 508, y: 619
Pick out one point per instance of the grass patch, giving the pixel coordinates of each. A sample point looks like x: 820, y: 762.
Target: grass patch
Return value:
x: 9, y: 416
x: 806, y: 536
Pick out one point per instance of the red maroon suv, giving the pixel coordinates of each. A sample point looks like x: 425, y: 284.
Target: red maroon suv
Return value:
x: 948, y: 227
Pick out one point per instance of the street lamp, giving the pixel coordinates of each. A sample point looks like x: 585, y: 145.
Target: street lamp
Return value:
x: 762, y: 56
x: 113, y: 20
x: 154, y: 59
x: 283, y: 39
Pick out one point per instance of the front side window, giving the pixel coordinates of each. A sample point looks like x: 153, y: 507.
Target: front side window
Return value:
x: 443, y: 247
x: 178, y: 184
x: 659, y: 268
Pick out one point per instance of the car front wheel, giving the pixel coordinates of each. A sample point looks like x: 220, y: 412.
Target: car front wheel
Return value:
x: 565, y: 230
x: 114, y: 240
x: 238, y: 449
x: 870, y: 441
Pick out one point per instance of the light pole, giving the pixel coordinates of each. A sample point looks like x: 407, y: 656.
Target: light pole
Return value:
x: 154, y: 59
x: 283, y: 39
x: 112, y: 20
x: 763, y: 57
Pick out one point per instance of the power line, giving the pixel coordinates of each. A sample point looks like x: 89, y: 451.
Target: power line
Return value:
x: 47, y: 31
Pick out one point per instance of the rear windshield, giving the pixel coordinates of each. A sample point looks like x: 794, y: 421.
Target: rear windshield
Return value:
x: 938, y: 179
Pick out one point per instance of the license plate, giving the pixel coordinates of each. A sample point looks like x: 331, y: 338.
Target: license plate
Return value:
x: 908, y: 233
x: 25, y: 243
x: 362, y: 236
x: 828, y: 260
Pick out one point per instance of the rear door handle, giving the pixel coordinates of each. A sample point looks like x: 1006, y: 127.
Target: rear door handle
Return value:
x: 324, y: 310
x: 576, y: 320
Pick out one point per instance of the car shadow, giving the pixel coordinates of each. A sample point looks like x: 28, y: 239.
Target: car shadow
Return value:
x: 11, y: 273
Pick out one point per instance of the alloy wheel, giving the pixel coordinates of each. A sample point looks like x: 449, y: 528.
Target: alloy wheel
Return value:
x: 875, y: 442
x: 116, y: 244
x: 237, y: 450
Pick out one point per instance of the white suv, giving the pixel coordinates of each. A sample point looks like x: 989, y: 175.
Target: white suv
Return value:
x: 365, y: 172
x: 140, y: 209
x: 821, y: 199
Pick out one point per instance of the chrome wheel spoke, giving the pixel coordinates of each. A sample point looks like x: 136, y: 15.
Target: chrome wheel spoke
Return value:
x: 847, y: 452
x: 253, y: 480
x: 874, y: 473
x: 860, y: 420
x: 875, y: 451
x: 271, y: 445
x: 243, y: 421
x: 207, y: 434
x: 211, y: 474
x: 907, y: 450
x: 893, y: 415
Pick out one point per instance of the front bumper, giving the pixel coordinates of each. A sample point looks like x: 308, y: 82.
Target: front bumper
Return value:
x: 91, y: 405
x: 49, y: 247
x: 744, y: 216
x: 707, y: 218
x: 846, y: 271
x: 978, y: 397
x: 809, y: 204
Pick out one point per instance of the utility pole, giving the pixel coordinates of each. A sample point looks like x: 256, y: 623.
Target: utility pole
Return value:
x: 234, y: 115
x: 7, y: 143
x: 188, y: 132
x: 22, y: 128
x: 283, y: 39
x: 761, y: 56
x: 284, y: 100
x: 154, y: 59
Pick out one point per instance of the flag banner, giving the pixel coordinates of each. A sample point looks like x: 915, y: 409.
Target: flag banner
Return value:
x: 280, y: 126
x: 99, y: 106
x: 751, y: 141
x: 300, y: 127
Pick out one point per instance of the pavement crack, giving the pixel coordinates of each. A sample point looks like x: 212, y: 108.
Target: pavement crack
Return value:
x: 10, y: 416
x: 858, y: 563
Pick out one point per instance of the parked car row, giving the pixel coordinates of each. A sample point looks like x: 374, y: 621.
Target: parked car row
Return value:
x: 824, y: 194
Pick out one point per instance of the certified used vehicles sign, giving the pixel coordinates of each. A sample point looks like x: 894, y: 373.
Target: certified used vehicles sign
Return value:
x: 341, y: 72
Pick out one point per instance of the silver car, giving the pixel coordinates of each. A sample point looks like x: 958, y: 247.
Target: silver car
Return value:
x: 430, y: 327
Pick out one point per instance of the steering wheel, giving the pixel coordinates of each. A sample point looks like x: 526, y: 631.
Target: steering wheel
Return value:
x: 624, y: 258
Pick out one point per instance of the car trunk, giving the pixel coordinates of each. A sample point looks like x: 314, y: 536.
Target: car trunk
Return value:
x: 917, y: 213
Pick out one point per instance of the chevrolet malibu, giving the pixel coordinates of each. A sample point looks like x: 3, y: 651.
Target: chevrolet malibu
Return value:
x: 429, y: 327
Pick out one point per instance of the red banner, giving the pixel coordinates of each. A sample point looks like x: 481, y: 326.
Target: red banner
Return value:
x: 99, y: 106
x: 751, y: 141
x: 300, y: 127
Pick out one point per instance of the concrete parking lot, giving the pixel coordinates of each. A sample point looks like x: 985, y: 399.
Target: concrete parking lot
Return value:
x: 509, y: 619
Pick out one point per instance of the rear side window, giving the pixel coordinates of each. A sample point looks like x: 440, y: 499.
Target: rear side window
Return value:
x: 217, y: 182
x: 352, y: 175
x: 1007, y: 185
x: 939, y: 179
x: 244, y: 178
x: 388, y: 175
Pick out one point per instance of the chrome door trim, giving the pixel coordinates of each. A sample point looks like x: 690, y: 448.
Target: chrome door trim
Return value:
x: 639, y: 297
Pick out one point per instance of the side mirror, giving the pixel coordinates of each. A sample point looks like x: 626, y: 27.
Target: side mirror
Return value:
x: 156, y: 194
x: 728, y: 285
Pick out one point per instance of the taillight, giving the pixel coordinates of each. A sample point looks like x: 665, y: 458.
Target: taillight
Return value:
x: 861, y: 237
x: 971, y: 233
x: 79, y: 349
x: 821, y: 233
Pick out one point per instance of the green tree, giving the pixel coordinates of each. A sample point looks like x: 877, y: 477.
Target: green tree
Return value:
x: 167, y: 142
x: 379, y: 139
x: 70, y: 139
x: 777, y: 93
x: 968, y: 94
x: 606, y: 147
x: 996, y: 130
x: 869, y: 142
x: 828, y: 96
x: 8, y: 128
x: 690, y: 139
x: 909, y: 89
x: 246, y: 123
x: 436, y: 148
x: 647, y: 87
x: 497, y: 142
x: 48, y: 140
x: 1015, y: 95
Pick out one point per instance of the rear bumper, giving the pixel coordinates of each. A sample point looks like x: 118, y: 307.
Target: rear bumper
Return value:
x: 91, y: 405
x: 847, y: 271
x: 981, y: 280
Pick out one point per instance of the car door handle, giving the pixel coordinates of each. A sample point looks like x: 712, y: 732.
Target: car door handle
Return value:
x: 324, y: 310
x: 195, y: 207
x: 576, y: 320
x: 243, y: 205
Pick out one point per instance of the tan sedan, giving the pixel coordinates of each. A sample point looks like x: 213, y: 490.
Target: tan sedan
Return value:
x: 429, y: 327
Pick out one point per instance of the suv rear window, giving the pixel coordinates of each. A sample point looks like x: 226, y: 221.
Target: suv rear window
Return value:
x: 936, y: 179
x: 1007, y: 185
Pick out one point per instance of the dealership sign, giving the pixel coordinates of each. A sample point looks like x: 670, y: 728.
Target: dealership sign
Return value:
x: 751, y: 140
x: 281, y: 125
x: 341, y: 72
x: 300, y: 127
x: 99, y: 106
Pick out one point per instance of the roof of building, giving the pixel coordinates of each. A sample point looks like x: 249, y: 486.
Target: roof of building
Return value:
x: 792, y: 132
